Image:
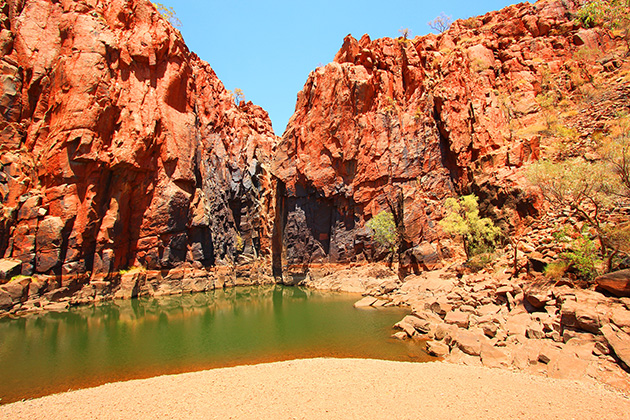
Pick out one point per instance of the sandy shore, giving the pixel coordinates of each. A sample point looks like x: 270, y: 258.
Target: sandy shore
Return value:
x: 333, y: 389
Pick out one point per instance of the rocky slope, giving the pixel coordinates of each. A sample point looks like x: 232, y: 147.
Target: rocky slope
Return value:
x: 425, y: 119
x: 120, y: 148
x: 497, y: 320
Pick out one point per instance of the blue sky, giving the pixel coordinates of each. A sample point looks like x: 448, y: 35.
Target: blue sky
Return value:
x: 267, y: 49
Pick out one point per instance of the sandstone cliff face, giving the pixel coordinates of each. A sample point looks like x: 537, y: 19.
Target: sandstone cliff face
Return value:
x: 427, y: 118
x: 119, y: 147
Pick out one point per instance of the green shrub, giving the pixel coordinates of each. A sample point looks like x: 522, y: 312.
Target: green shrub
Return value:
x: 610, y: 14
x: 592, y: 13
x: 462, y: 218
x: 384, y: 229
x: 583, y: 257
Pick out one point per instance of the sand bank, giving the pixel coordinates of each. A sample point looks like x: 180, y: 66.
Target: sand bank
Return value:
x: 333, y: 389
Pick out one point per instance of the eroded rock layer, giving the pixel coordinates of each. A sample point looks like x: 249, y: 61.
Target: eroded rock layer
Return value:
x: 121, y: 148
x: 427, y: 118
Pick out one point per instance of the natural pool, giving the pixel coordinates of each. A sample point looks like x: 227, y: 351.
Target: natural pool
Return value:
x: 120, y: 340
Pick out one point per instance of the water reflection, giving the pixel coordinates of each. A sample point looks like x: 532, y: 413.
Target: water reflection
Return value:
x: 119, y: 340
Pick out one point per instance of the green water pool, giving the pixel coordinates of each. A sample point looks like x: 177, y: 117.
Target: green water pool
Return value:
x: 120, y: 340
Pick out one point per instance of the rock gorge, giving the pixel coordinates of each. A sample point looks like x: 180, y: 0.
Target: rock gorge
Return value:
x: 402, y: 124
x: 122, y: 149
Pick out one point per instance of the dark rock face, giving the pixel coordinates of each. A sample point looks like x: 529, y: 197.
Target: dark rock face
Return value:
x: 426, y: 118
x: 121, y: 148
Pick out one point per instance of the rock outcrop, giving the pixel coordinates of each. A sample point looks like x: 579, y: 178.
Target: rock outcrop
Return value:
x: 121, y: 148
x: 423, y: 119
x: 487, y: 319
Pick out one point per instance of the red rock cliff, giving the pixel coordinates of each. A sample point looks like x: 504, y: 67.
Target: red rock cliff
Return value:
x: 431, y: 117
x: 119, y: 147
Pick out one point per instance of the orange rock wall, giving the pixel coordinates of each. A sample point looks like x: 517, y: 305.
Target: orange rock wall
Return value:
x: 432, y: 117
x: 120, y: 147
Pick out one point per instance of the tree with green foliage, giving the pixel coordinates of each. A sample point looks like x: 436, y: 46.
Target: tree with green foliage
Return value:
x: 589, y: 190
x: 383, y: 227
x: 169, y: 14
x: 586, y: 188
x: 480, y: 235
x: 610, y: 14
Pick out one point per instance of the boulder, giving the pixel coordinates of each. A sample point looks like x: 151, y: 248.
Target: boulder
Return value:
x: 494, y: 357
x: 437, y: 348
x: 617, y: 282
x: 534, y: 330
x: 427, y: 256
x: 539, y: 293
x: 444, y: 330
x: 441, y: 306
x: 130, y: 284
x: 517, y: 324
x: 365, y: 302
x: 400, y: 335
x: 588, y: 38
x: 9, y: 268
x: 619, y: 341
x: 620, y: 316
x: 566, y: 365
x: 18, y: 290
x: 406, y: 327
x: 424, y: 321
x: 588, y: 318
x: 481, y: 57
x: 30, y: 208
x: 459, y: 318
x: 468, y: 341
x: 6, y: 302
x: 489, y: 328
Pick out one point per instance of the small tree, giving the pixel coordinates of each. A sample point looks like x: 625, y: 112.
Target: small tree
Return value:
x: 441, y: 23
x: 405, y: 32
x: 169, y: 14
x: 582, y: 186
x: 384, y: 230
x: 238, y: 95
x: 588, y: 190
x: 462, y: 218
